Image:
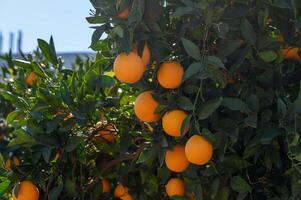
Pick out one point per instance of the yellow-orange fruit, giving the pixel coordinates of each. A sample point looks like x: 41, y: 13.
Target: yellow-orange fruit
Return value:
x: 108, y: 133
x: 120, y: 190
x: 126, y: 196
x: 128, y: 68
x: 69, y: 116
x: 198, y: 150
x: 105, y: 185
x: 172, y: 122
x: 291, y: 53
x: 27, y: 191
x: 145, y: 106
x: 146, y: 53
x: 124, y: 14
x: 170, y: 75
x: 16, y: 162
x: 30, y: 78
x: 175, y: 187
x: 57, y: 156
x: 176, y: 160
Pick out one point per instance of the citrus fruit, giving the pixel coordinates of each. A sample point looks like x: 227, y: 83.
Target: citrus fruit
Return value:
x: 175, y: 187
x: 30, y: 78
x: 120, y: 190
x: 27, y: 191
x: 125, y: 13
x: 108, y: 133
x: 16, y: 163
x: 198, y: 150
x: 291, y: 53
x: 170, y: 75
x: 176, y: 160
x: 128, y: 68
x: 146, y: 53
x: 105, y: 185
x: 126, y: 196
x: 145, y: 106
x: 172, y: 122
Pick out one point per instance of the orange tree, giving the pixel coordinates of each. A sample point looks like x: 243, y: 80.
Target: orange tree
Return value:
x: 205, y: 105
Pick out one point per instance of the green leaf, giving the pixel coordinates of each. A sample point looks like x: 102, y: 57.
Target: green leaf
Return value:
x: 193, y: 69
x: 251, y: 121
x: 248, y: 31
x: 215, y: 61
x: 4, y: 185
x: 45, y: 139
x: 96, y: 19
x: 269, y: 132
x: 216, y: 75
x: 253, y: 103
x: 239, y: 185
x: 55, y: 192
x: 184, y: 103
x: 72, y: 143
x: 39, y: 70
x: 180, y: 11
x: 208, y: 108
x: 186, y: 123
x: 227, y: 126
x: 137, y: 11
x: 97, y: 35
x: 119, y: 31
x: 22, y: 63
x: 22, y: 138
x: 234, y: 104
x: 19, y: 102
x: 268, y: 56
x: 13, y: 115
x: 48, y: 52
x: 70, y: 188
x: 191, y: 49
x: 147, y: 154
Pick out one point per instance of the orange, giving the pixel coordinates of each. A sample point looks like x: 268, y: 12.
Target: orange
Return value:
x: 27, y: 191
x: 170, y: 75
x: 16, y: 162
x: 128, y: 68
x: 30, y: 78
x: 176, y: 160
x: 124, y: 14
x: 291, y: 53
x: 198, y: 150
x: 146, y: 53
x: 126, y: 196
x: 145, y: 106
x: 105, y: 185
x: 175, y: 187
x: 120, y: 190
x: 108, y: 133
x: 172, y: 122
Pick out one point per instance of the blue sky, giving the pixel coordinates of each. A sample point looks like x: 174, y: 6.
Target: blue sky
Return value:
x: 64, y: 19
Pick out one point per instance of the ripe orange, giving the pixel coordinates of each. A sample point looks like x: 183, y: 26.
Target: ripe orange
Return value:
x: 126, y: 196
x: 124, y: 14
x: 170, y: 75
x: 27, y: 191
x: 145, y: 106
x: 128, y: 68
x: 172, y: 122
x: 175, y: 187
x: 30, y: 78
x: 16, y: 162
x: 105, y: 185
x: 120, y: 190
x: 176, y: 160
x: 108, y: 133
x: 146, y: 53
x: 198, y: 150
x: 291, y: 53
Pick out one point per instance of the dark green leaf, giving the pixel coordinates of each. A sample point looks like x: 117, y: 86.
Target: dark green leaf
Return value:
x: 72, y: 143
x: 248, y: 32
x: 191, y: 49
x: 47, y: 51
x: 268, y: 56
x: 239, y: 185
x: 185, y: 103
x: 208, y: 108
x: 193, y: 69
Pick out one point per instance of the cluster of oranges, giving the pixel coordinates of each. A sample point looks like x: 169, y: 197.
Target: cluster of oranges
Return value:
x: 129, y: 68
x: 121, y: 191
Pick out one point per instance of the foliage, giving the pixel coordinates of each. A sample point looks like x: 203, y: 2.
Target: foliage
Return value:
x: 240, y: 91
